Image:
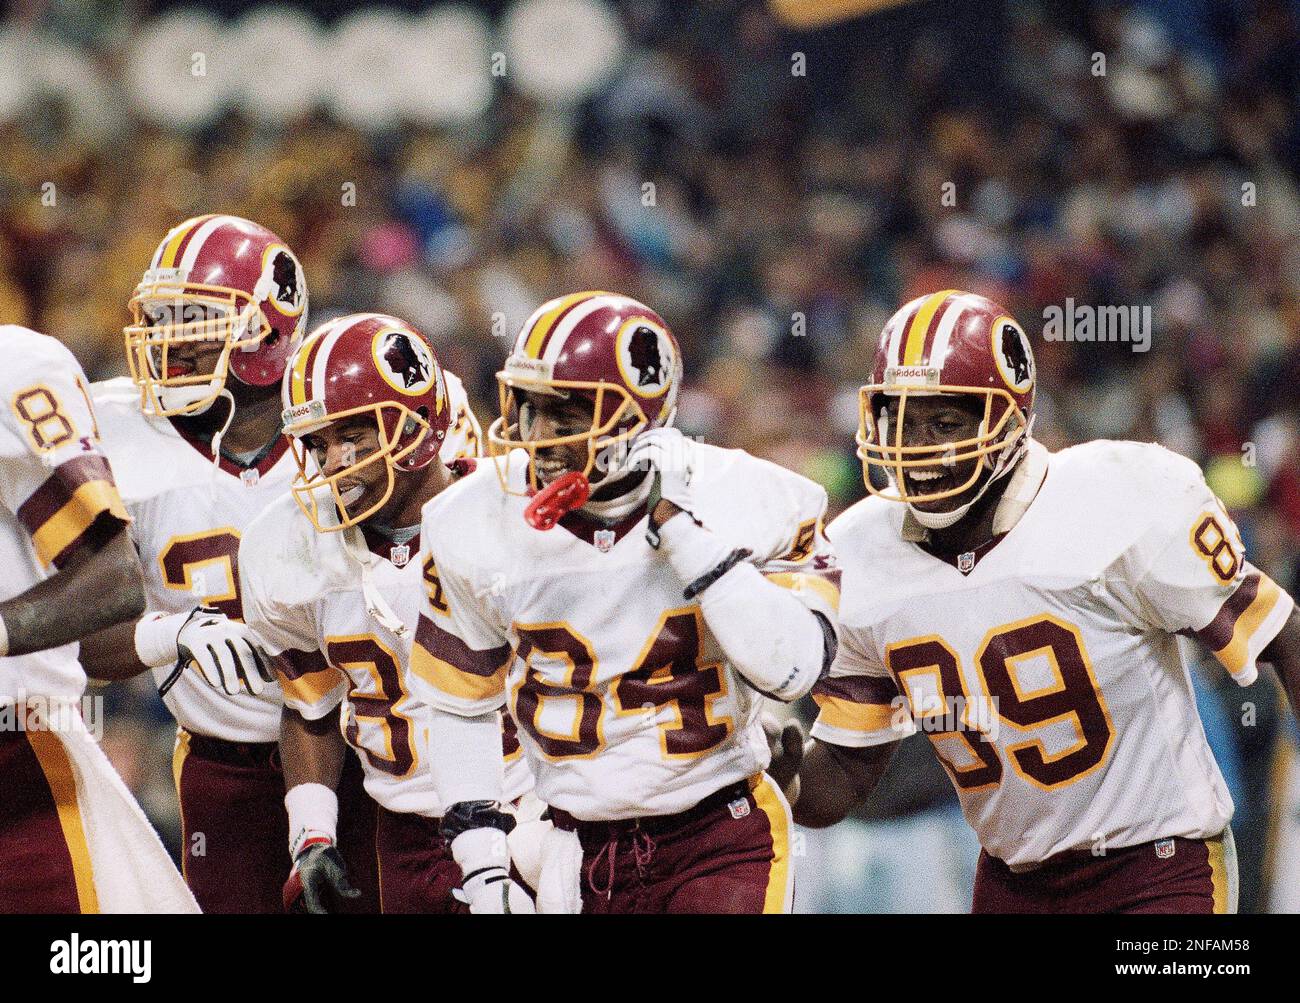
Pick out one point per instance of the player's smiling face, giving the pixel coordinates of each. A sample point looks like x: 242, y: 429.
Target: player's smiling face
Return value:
x: 345, y: 443
x: 933, y: 421
x: 546, y: 416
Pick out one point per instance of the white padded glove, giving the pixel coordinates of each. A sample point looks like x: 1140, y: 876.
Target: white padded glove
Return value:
x: 225, y: 651
x: 484, y: 859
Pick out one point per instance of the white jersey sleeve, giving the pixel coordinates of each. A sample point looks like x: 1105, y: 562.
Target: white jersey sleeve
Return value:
x: 1188, y: 574
x: 460, y: 652
x: 283, y: 626
x: 858, y: 702
x: 464, y: 436
x: 57, y: 482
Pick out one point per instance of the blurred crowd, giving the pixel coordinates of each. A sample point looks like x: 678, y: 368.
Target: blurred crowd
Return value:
x: 776, y: 210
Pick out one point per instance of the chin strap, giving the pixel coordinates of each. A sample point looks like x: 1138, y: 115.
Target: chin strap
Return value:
x: 376, y: 605
x: 225, y: 426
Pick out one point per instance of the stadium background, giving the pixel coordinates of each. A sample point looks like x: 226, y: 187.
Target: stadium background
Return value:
x: 771, y: 179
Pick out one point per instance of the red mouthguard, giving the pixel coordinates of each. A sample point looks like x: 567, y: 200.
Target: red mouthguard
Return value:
x: 558, y: 498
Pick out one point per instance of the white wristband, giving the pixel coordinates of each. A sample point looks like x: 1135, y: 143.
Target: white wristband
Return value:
x: 313, y: 811
x: 4, y: 638
x: 155, y: 638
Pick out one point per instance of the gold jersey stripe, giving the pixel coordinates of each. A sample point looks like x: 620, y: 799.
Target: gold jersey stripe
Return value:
x: 446, y: 678
x: 801, y: 581
x: 838, y: 712
x: 57, y: 768
x: 914, y: 336
x: 1235, y: 653
x: 62, y: 529
x: 311, y: 688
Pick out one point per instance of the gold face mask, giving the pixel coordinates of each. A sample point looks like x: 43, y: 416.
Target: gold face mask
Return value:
x: 505, y: 435
x: 166, y: 315
x: 880, y: 442
x: 313, y: 490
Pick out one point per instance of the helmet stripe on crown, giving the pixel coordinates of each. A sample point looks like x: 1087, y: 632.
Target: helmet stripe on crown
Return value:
x: 190, y: 248
x: 948, y: 322
x: 172, y: 246
x: 321, y: 357
x: 921, y: 327
x: 536, y: 341
x: 307, y: 351
x: 571, y: 318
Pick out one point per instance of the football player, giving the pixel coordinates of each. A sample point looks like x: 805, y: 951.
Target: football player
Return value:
x: 633, y: 597
x: 1033, y: 612
x: 332, y: 581
x: 194, y: 439
x: 72, y: 838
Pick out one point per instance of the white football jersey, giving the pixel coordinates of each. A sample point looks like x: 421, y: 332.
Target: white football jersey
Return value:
x: 342, y: 608
x: 54, y: 484
x: 624, y: 702
x: 189, y: 516
x: 1047, y: 668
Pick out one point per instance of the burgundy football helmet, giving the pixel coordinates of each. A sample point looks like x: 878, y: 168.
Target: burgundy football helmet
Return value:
x: 609, y: 348
x: 218, y: 280
x: 364, y: 363
x: 949, y: 342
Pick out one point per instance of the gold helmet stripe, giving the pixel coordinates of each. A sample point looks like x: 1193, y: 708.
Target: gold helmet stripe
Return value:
x: 172, y: 249
x: 914, y: 337
x: 536, y: 342
x: 301, y: 361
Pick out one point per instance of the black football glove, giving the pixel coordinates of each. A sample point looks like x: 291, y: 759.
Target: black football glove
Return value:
x: 319, y: 880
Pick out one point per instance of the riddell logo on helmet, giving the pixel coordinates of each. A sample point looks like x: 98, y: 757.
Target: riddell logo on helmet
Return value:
x: 298, y: 414
x: 529, y: 369
x: 918, y: 376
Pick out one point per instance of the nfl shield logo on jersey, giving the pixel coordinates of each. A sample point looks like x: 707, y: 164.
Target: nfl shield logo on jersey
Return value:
x: 604, y: 539
x: 250, y: 477
x: 399, y: 554
x: 965, y: 562
x: 1165, y: 848
x: 738, y: 808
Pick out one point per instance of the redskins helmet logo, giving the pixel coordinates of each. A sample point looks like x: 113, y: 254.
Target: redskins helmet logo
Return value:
x: 282, y: 279
x: 1013, y: 355
x: 404, y: 361
x: 645, y: 357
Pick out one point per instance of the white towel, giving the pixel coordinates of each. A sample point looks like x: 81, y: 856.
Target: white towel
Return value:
x: 133, y: 872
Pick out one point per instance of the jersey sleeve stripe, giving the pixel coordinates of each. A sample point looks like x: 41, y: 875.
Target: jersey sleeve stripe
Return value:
x: 849, y: 716
x: 315, y: 691
x: 449, y: 665
x: 62, y: 509
x: 294, y: 664
x: 1248, y: 620
x: 818, y: 589
x: 310, y: 684
x: 859, y: 689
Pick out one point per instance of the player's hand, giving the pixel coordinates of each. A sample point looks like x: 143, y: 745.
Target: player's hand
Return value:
x: 670, y: 457
x: 319, y: 881
x: 490, y: 890
x: 787, y: 745
x: 484, y: 858
x: 224, y: 651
